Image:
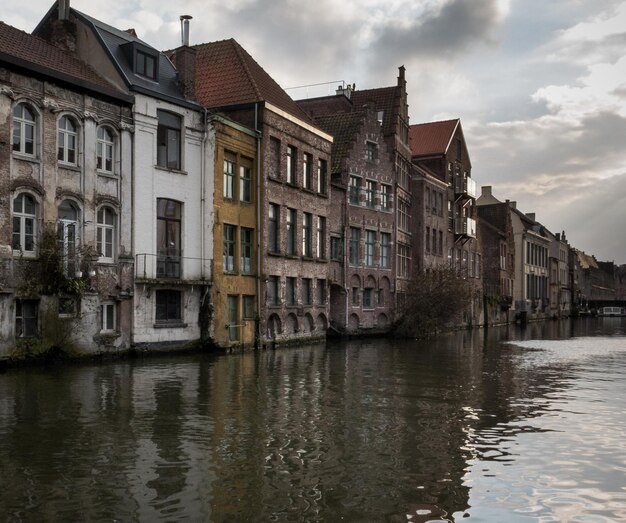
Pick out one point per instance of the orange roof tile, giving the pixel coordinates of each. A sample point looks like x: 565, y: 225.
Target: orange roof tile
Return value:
x: 432, y: 137
x: 227, y: 75
x: 32, y: 52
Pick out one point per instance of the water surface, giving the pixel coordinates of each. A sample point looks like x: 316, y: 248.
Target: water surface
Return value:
x: 509, y: 425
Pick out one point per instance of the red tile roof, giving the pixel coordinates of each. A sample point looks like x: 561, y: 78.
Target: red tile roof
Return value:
x: 431, y: 138
x: 227, y: 75
x: 32, y: 52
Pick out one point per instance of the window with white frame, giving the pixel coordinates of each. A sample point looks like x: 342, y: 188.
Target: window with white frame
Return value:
x: 307, y: 173
x: 24, y: 224
x: 321, y: 237
x: 105, y: 233
x: 230, y: 162
x: 322, y: 176
x: 245, y: 180
x: 245, y: 250
x: 67, y: 140
x: 273, y: 231
x: 291, y: 164
x: 105, y: 150
x: 108, y: 317
x: 307, y: 229
x: 229, y: 248
x: 354, y: 190
x: 385, y: 197
x: 24, y: 130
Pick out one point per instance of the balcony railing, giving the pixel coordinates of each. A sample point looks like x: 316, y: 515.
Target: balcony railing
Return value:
x: 464, y: 185
x: 465, y: 227
x: 149, y: 266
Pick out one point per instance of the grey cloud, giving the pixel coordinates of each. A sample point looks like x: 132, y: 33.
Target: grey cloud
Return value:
x: 439, y: 34
x: 608, y: 49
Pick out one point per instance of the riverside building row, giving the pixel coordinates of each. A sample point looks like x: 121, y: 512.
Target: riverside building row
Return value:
x: 158, y: 199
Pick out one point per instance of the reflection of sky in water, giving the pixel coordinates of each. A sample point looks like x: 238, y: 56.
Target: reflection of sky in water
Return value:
x: 564, y: 457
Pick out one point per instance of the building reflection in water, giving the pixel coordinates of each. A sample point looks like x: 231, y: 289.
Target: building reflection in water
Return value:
x: 356, y: 430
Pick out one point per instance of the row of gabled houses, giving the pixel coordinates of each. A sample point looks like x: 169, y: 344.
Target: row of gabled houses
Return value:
x: 158, y: 199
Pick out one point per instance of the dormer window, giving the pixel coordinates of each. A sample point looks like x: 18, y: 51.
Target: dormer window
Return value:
x: 145, y: 65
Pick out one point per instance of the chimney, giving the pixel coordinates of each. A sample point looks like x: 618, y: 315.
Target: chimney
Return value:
x: 345, y: 90
x: 512, y: 204
x: 64, y: 10
x: 401, y: 80
x: 531, y: 216
x: 184, y: 29
x: 486, y: 190
x: 184, y: 59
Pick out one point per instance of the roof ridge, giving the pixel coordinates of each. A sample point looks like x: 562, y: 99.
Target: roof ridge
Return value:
x: 435, y: 121
x: 240, y: 50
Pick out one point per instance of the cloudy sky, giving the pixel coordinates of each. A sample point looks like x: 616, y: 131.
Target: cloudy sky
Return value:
x: 540, y: 86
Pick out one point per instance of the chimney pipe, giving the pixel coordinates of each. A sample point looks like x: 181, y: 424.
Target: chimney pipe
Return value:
x: 64, y: 9
x: 184, y: 27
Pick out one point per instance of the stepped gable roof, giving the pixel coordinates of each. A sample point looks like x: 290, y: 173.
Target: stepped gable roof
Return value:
x: 585, y: 260
x: 431, y: 138
x: 343, y: 127
x: 227, y: 75
x: 36, y: 54
x: 384, y: 99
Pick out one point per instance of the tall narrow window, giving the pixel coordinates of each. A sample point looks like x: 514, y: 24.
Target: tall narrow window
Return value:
x: 273, y: 290
x: 107, y: 317
x: 169, y: 221
x: 24, y: 127
x: 245, y: 250
x: 307, y: 174
x: 355, y: 190
x: 229, y: 175
x: 168, y: 140
x: 368, y: 301
x: 229, y: 248
x: 322, y: 176
x: 245, y: 180
x: 336, y: 248
x: 385, y: 197
x: 385, y: 241
x: 355, y: 237
x: 371, y: 151
x: 248, y: 307
x: 272, y: 233
x: 105, y: 234
x: 291, y: 232
x: 67, y: 140
x: 427, y: 239
x: 290, y: 291
x: 233, y: 317
x: 291, y: 164
x: 321, y: 292
x: 370, y: 192
x: 67, y: 235
x: 370, y: 241
x: 321, y: 237
x: 434, y: 241
x: 440, y: 243
x: 306, y: 291
x: 307, y: 220
x: 24, y: 224
x: 105, y: 150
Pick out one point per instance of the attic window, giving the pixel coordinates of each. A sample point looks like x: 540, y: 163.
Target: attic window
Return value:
x: 145, y: 65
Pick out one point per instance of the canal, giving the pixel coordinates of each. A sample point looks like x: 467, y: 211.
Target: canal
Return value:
x: 502, y: 426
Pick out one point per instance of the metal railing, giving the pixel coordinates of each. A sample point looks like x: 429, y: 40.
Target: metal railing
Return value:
x: 160, y: 266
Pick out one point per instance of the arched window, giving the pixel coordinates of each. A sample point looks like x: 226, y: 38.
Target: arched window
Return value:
x: 24, y: 126
x: 24, y: 224
x: 67, y: 235
x: 105, y: 150
x: 68, y: 140
x: 105, y: 234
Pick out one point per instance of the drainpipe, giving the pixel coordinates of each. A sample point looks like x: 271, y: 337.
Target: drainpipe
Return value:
x: 205, y: 135
x: 346, y: 243
x: 257, y: 337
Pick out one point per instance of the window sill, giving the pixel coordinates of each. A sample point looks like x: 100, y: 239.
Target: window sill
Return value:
x: 321, y: 260
x: 169, y: 170
x: 69, y: 166
x: 170, y: 325
x: 26, y: 157
x: 309, y: 190
x: 106, y: 174
x: 308, y: 258
x: 274, y: 253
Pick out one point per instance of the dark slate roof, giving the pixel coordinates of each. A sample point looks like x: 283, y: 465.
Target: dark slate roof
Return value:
x: 343, y: 127
x: 431, y: 138
x: 35, y: 54
x: 384, y: 99
x: 226, y: 75
x: 166, y: 88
